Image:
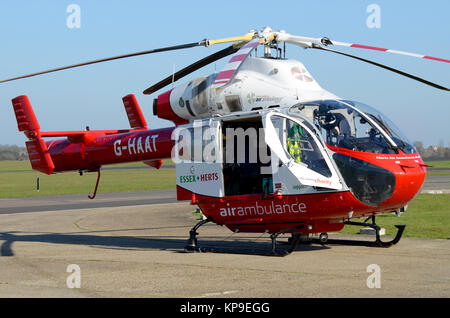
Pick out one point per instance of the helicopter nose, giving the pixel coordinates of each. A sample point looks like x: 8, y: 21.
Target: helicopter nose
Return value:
x: 410, y: 175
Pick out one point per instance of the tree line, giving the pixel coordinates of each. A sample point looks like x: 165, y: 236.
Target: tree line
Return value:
x: 13, y: 152
x: 433, y: 152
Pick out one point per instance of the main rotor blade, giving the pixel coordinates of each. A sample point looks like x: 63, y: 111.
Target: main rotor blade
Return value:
x: 326, y: 41
x: 307, y: 42
x: 230, y: 69
x: 158, y: 50
x: 191, y: 68
x: 385, y: 67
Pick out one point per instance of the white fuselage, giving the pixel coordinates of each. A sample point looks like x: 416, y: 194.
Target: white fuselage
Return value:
x: 259, y: 83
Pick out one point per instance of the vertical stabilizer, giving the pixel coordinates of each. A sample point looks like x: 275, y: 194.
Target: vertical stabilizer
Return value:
x: 134, y: 113
x: 26, y: 119
x: 27, y: 123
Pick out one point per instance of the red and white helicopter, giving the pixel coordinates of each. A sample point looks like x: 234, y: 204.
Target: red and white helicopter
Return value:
x: 259, y: 147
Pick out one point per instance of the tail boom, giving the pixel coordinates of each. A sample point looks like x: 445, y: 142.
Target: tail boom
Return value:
x: 89, y: 150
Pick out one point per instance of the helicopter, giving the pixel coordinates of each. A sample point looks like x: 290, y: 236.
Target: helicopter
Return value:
x: 259, y: 147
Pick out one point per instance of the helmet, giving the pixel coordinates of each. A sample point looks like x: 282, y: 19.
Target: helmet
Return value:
x: 327, y: 120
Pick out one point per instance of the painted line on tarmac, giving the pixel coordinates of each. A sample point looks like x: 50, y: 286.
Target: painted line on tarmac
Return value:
x: 435, y: 191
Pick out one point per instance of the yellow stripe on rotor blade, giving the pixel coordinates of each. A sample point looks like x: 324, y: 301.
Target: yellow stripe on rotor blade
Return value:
x: 246, y: 38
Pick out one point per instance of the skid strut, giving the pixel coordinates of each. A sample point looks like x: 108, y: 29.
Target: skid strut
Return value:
x: 192, y: 245
x: 192, y: 241
x: 293, y: 242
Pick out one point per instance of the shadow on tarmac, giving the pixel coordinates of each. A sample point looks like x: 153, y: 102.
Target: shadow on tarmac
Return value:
x: 246, y: 245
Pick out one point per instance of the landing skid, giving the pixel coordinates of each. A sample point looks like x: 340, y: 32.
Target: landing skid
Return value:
x: 192, y: 244
x: 377, y: 243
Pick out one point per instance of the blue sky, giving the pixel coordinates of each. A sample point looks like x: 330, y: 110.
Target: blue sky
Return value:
x: 35, y: 37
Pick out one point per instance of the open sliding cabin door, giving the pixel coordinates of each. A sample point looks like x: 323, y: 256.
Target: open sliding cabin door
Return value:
x: 300, y: 163
x: 197, y: 158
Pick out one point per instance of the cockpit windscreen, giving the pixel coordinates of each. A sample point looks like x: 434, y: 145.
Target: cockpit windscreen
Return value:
x: 354, y: 126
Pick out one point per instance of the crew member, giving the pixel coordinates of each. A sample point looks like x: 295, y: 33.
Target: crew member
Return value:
x: 293, y: 142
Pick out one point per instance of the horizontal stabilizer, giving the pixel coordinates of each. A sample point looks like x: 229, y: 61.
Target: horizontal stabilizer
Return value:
x: 39, y: 156
x: 154, y: 163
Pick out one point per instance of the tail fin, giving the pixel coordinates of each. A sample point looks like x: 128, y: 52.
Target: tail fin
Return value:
x: 134, y: 113
x: 38, y: 153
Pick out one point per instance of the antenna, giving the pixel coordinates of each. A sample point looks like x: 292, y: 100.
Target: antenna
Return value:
x: 173, y: 74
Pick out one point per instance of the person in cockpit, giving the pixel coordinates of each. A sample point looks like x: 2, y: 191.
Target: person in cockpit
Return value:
x: 337, y: 126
